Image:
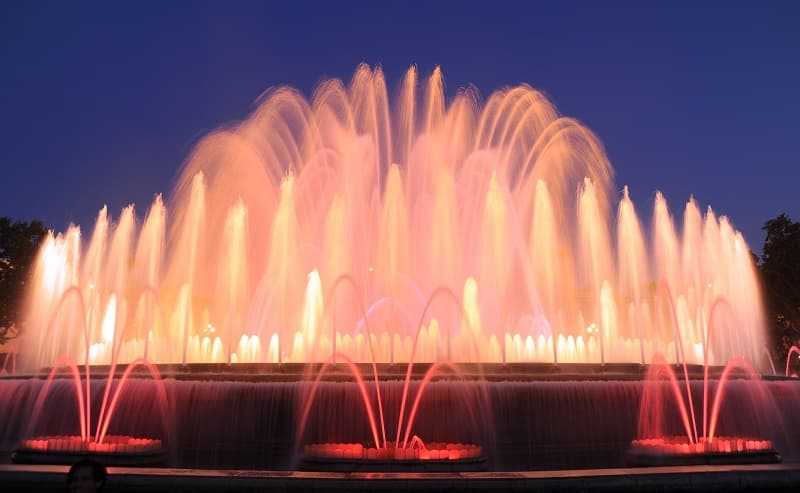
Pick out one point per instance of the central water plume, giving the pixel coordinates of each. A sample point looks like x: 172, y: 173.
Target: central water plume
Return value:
x: 505, y: 201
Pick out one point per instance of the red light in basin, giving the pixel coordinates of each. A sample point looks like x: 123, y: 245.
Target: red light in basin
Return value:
x: 433, y: 451
x: 71, y: 444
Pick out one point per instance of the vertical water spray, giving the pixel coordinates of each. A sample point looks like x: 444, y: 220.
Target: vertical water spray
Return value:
x: 405, y: 198
x: 148, y: 264
x: 632, y: 262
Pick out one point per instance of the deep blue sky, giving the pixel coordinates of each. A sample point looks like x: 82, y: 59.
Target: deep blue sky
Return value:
x: 100, y: 103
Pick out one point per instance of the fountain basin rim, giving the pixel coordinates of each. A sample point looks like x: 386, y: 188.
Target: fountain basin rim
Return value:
x: 292, y: 372
x: 649, y: 455
x: 66, y: 449
x: 763, y: 477
x: 327, y: 463
x: 320, y: 464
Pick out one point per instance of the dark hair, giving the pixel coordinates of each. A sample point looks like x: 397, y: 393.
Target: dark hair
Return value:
x: 98, y: 470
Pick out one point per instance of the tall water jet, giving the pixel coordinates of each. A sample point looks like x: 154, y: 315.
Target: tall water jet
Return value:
x: 232, y: 278
x: 632, y: 269
x: 148, y: 264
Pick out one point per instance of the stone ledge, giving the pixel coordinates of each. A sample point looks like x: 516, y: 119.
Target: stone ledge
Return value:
x: 769, y: 477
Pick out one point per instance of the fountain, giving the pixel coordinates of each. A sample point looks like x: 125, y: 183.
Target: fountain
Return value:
x: 407, y: 453
x: 404, y: 199
x: 656, y: 446
x: 700, y: 445
x: 335, y: 265
x: 109, y: 448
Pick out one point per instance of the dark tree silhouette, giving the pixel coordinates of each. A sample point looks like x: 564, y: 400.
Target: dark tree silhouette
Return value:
x: 780, y: 272
x: 19, y: 244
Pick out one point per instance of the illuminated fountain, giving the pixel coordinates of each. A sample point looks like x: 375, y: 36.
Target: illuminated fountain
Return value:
x: 508, y: 202
x: 794, y: 350
x: 407, y: 451
x: 110, y: 448
x: 345, y: 237
x: 664, y: 399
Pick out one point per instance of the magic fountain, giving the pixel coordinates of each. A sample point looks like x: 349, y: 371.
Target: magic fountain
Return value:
x: 356, y: 234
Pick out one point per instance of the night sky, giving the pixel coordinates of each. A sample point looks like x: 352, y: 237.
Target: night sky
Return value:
x: 100, y: 103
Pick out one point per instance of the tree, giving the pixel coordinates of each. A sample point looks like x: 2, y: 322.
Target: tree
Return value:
x: 19, y: 244
x: 780, y: 272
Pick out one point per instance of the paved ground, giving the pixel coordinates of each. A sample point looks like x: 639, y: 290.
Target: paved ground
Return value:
x: 770, y: 477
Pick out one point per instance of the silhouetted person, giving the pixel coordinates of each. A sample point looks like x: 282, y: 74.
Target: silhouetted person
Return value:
x: 86, y: 476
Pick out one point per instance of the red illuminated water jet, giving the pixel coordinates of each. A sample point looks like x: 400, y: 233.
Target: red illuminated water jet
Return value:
x: 113, y: 449
x: 792, y: 350
x: 407, y: 452
x: 656, y: 446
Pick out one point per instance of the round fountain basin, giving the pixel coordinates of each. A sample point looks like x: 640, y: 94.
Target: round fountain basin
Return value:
x: 116, y: 450
x: 676, y: 450
x: 435, y: 457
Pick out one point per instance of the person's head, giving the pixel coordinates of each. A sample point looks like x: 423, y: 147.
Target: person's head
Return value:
x: 86, y: 476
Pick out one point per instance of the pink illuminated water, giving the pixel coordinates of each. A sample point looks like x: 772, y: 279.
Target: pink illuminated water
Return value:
x: 504, y: 202
x: 792, y: 350
x: 99, y: 441
x: 664, y: 400
x: 411, y: 447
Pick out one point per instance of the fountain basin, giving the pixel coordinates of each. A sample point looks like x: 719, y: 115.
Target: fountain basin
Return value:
x: 574, y: 421
x: 435, y: 457
x: 116, y: 450
x: 676, y: 450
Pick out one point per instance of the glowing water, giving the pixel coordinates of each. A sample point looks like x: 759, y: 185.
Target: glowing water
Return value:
x: 507, y: 202
x: 83, y: 401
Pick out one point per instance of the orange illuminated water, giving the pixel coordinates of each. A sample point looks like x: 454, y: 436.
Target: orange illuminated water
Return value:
x: 502, y: 201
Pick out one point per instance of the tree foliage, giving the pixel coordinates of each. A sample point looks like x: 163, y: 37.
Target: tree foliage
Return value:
x: 19, y: 244
x: 780, y: 272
